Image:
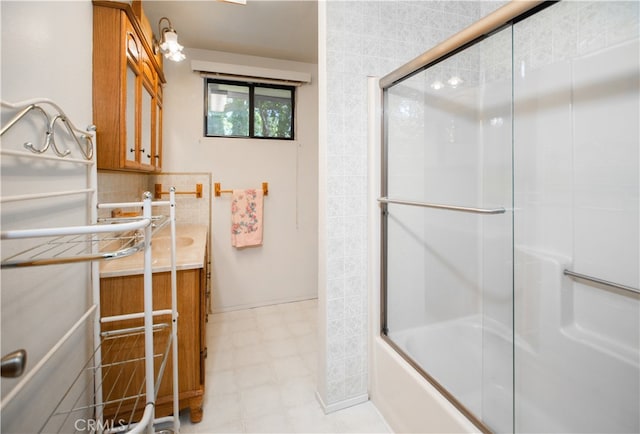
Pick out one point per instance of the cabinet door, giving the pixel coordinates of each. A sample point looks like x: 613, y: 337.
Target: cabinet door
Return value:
x: 131, y: 102
x: 127, y: 76
x: 124, y: 295
x: 202, y: 320
x: 157, y: 153
x: 147, y: 113
x: 130, y: 116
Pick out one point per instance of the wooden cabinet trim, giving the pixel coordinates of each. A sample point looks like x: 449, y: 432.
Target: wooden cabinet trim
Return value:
x: 131, y: 44
x: 120, y: 46
x: 135, y: 22
x: 107, y: 110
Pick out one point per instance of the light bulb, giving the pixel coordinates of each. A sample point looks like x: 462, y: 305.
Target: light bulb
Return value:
x: 170, y: 44
x: 437, y: 85
x: 176, y: 56
x: 455, y: 81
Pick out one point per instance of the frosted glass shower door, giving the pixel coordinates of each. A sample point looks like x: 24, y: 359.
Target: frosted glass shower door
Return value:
x: 448, y: 227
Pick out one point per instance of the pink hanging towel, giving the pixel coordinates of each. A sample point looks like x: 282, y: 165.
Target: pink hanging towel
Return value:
x: 246, y: 218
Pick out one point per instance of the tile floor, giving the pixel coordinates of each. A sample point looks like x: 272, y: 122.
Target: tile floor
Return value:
x: 261, y: 376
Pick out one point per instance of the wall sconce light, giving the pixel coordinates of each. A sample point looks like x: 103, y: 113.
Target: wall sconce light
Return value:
x: 169, y: 45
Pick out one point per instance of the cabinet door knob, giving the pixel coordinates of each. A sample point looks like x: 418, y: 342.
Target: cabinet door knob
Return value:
x: 132, y: 150
x: 142, y: 150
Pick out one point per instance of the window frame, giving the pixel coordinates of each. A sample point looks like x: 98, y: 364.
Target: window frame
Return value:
x: 251, y: 85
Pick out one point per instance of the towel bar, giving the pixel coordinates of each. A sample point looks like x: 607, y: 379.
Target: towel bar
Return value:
x: 218, y: 191
x: 158, y: 191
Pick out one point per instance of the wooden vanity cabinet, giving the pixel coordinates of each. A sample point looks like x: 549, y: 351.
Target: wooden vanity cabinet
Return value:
x: 127, y: 89
x: 124, y: 294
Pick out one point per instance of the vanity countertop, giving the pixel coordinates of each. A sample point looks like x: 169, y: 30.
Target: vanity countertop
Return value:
x: 191, y: 242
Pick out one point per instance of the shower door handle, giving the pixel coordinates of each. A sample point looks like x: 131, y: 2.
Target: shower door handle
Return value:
x: 472, y: 210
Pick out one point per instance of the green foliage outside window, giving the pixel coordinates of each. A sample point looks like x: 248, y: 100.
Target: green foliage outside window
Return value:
x: 235, y: 109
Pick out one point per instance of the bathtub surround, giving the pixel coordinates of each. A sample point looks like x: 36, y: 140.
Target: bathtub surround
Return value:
x: 545, y: 127
x: 576, y: 191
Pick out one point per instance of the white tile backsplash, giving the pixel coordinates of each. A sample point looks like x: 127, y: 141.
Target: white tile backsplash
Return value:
x: 121, y: 187
x: 189, y: 209
x: 129, y: 187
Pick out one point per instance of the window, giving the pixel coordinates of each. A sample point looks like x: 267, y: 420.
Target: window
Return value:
x: 238, y: 109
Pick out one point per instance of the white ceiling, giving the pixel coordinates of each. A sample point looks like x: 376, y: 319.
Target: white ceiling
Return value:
x: 281, y: 29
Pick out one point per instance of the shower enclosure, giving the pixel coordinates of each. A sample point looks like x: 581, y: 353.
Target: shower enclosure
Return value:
x: 510, y: 220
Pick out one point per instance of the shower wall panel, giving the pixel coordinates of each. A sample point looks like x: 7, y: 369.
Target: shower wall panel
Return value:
x: 576, y: 156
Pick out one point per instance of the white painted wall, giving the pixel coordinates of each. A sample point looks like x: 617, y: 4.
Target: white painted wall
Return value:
x: 284, y: 268
x: 46, y: 52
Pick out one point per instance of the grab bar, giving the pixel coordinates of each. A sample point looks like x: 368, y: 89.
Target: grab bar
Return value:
x: 441, y: 206
x: 601, y: 281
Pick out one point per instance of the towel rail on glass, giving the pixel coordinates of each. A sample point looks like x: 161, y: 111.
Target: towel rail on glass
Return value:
x: 601, y: 281
x: 443, y: 207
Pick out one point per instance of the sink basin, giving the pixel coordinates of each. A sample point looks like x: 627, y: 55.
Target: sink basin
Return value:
x: 164, y: 243
x: 190, y: 252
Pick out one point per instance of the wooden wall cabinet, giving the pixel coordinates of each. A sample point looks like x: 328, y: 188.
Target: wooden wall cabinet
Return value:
x: 127, y: 89
x: 121, y: 295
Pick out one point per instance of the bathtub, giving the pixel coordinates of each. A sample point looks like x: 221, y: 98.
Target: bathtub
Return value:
x: 567, y: 379
x: 460, y: 368
x: 191, y: 242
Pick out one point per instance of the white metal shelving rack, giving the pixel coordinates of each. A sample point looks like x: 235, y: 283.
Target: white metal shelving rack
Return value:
x: 96, y: 241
